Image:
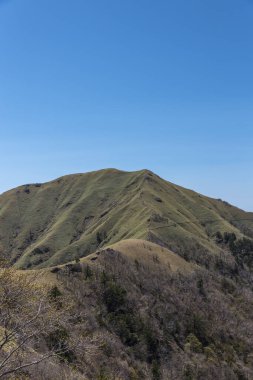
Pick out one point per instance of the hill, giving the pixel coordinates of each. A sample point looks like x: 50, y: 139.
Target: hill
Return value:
x: 48, y: 224
x: 135, y: 310
x: 130, y: 277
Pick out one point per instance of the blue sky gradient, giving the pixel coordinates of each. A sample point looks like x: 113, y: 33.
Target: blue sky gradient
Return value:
x: 164, y: 85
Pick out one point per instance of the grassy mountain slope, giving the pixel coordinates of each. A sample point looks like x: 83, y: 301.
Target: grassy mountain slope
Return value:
x: 47, y: 224
x: 134, y: 250
x: 137, y: 250
x: 137, y: 305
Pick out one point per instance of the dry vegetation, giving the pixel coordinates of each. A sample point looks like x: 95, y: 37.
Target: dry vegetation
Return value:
x: 149, y: 322
x: 125, y: 314
x: 151, y: 302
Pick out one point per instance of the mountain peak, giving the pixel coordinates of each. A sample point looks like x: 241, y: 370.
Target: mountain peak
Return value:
x: 72, y: 216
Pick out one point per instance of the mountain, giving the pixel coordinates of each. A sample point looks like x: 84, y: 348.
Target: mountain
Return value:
x: 123, y: 275
x: 42, y: 225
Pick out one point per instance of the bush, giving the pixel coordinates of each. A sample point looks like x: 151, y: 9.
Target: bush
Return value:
x: 102, y: 375
x: 152, y: 344
x: 156, y: 370
x: 200, y: 285
x: 229, y: 238
x: 55, y: 296
x: 57, y: 340
x: 101, y: 236
x: 54, y: 293
x: 194, y: 344
x: 127, y: 326
x: 87, y: 272
x: 210, y: 354
x: 242, y: 250
x: 227, y: 285
x: 114, y: 296
x: 189, y: 372
x: 219, y: 237
x: 198, y: 326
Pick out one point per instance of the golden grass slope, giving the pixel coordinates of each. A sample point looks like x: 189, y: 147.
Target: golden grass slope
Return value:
x: 48, y: 224
x: 150, y: 253
x: 134, y: 250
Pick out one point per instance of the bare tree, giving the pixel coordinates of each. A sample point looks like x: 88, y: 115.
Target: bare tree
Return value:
x: 27, y: 317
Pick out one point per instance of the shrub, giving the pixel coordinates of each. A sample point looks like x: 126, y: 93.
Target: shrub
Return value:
x: 87, y: 272
x: 156, y: 370
x: 218, y: 237
x: 55, y: 296
x: 57, y: 340
x: 102, y: 375
x: 54, y: 293
x: 242, y: 250
x: 229, y: 237
x: 200, y: 285
x: 194, y: 344
x: 152, y: 344
x: 210, y: 353
x: 189, y: 372
x: 101, y: 236
x: 198, y: 326
x: 114, y: 296
x: 227, y: 285
x: 127, y: 326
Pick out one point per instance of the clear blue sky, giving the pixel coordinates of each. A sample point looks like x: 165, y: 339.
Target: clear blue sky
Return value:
x: 164, y: 85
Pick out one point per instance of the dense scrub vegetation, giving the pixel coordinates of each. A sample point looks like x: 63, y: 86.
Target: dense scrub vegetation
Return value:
x: 115, y: 317
x: 148, y: 323
x: 242, y: 249
x: 33, y: 326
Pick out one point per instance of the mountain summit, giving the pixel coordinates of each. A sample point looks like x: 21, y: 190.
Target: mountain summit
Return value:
x: 46, y: 224
x: 138, y: 278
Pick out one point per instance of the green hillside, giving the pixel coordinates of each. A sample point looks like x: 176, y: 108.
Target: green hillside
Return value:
x: 47, y: 224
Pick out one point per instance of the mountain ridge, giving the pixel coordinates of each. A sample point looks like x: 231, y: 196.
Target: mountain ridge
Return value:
x: 71, y: 216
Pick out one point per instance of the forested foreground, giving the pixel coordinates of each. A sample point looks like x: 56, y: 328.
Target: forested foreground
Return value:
x: 116, y: 317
